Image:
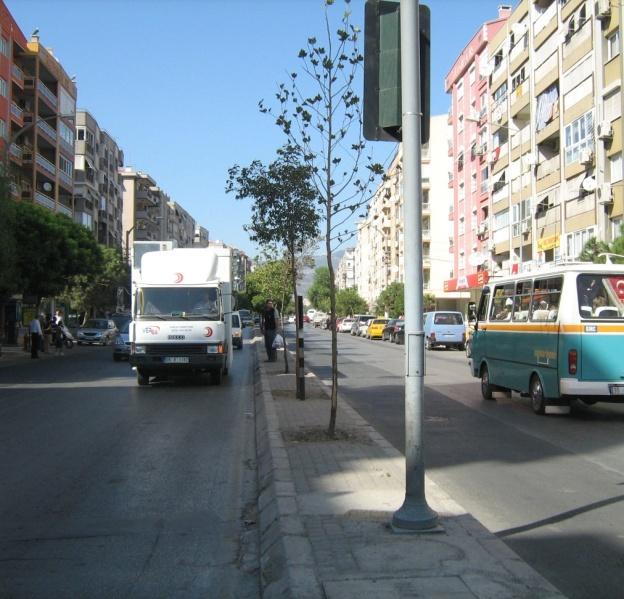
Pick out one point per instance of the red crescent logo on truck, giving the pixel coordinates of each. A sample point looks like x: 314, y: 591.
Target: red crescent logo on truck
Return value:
x: 178, y: 277
x: 207, y: 332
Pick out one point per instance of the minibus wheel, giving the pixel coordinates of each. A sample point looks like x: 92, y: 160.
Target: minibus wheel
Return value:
x: 142, y: 379
x: 538, y: 402
x: 486, y: 388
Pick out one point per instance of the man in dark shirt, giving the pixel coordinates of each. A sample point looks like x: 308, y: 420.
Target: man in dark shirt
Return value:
x: 268, y: 326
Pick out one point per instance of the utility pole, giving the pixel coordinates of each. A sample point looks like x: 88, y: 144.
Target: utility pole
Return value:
x: 415, y: 513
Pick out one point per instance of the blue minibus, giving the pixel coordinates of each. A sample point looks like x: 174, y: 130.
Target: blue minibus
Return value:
x: 553, y: 335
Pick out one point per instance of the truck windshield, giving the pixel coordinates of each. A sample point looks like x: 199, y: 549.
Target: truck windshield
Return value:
x: 179, y: 302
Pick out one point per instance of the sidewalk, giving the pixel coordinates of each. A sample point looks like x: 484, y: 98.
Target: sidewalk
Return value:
x: 325, y: 508
x: 14, y: 354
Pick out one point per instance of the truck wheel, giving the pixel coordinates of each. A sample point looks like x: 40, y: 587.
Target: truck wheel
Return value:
x: 486, y: 388
x: 142, y: 378
x: 538, y: 401
x: 215, y: 377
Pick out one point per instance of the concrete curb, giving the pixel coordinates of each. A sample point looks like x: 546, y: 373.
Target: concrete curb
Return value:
x: 287, y: 567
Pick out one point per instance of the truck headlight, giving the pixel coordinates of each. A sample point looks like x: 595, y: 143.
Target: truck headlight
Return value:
x: 139, y: 349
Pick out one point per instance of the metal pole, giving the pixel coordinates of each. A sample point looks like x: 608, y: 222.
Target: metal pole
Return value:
x: 415, y: 513
x: 300, y: 371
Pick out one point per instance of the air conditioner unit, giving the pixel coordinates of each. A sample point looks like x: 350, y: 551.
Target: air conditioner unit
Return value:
x: 526, y: 227
x: 587, y: 156
x: 483, y: 227
x: 604, y: 130
x: 605, y: 194
x: 603, y: 9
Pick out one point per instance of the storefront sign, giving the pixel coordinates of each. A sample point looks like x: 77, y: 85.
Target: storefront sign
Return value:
x: 473, y: 281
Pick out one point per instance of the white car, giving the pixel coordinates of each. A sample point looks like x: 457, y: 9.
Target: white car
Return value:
x: 237, y: 330
x: 363, y: 328
x: 319, y: 319
x: 345, y: 325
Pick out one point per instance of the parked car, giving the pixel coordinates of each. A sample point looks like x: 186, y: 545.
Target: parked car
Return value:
x: 375, y: 328
x: 359, y: 319
x: 246, y: 318
x: 237, y: 330
x: 97, y: 330
x: 444, y: 328
x: 398, y: 336
x: 306, y: 318
x: 121, y: 345
x: 387, y: 330
x: 363, y: 328
x: 319, y: 319
x: 345, y: 325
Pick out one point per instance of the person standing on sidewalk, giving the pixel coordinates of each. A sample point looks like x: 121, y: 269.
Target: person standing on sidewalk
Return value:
x: 268, y: 325
x: 35, y: 337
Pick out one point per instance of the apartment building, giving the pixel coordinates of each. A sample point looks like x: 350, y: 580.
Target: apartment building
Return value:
x: 554, y: 129
x: 41, y: 98
x: 98, y: 187
x: 469, y: 170
x: 180, y: 225
x: 345, y: 273
x: 379, y: 252
x: 201, y: 236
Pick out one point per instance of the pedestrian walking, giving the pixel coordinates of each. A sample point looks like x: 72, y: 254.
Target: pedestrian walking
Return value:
x: 58, y: 333
x: 35, y: 337
x: 269, y: 325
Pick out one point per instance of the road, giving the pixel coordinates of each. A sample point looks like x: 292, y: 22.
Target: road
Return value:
x: 110, y: 490
x: 550, y: 486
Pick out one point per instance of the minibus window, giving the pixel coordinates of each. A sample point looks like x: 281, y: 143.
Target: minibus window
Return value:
x: 502, y: 302
x: 546, y: 296
x: 483, y: 304
x: 600, y: 296
x: 522, y: 302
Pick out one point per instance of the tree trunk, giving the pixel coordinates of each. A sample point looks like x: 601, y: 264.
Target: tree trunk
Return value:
x: 284, y: 336
x: 293, y: 269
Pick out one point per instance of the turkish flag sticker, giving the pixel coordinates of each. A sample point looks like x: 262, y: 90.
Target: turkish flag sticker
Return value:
x: 617, y: 283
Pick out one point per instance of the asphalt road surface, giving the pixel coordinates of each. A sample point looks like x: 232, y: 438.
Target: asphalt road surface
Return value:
x: 552, y: 487
x: 110, y: 490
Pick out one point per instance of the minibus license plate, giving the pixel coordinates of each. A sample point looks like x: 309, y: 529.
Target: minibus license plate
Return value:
x: 616, y: 389
x: 176, y: 360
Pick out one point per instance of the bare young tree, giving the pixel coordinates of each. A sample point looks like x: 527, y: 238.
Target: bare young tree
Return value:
x: 319, y: 111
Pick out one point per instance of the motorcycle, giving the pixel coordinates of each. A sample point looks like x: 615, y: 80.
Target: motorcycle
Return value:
x: 68, y: 338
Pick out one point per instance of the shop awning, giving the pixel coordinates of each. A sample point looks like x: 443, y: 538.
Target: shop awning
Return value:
x: 473, y: 281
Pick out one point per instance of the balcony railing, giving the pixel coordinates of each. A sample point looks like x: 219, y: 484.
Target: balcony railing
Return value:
x: 65, y: 210
x: 44, y: 200
x: 45, y: 164
x: 17, y: 111
x: 16, y: 150
x: 47, y: 129
x: 47, y: 93
x: 17, y: 73
x: 544, y: 18
x: 65, y: 178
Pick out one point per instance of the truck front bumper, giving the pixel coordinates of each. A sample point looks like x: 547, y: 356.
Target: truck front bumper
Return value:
x: 156, y: 365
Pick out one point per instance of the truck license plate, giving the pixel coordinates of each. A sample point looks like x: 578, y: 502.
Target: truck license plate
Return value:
x: 616, y: 389
x: 176, y: 360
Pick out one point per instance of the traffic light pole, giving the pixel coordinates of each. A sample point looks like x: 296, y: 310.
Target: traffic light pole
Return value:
x: 415, y: 514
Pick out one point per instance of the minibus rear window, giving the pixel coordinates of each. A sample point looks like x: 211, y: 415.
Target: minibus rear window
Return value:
x: 600, y: 297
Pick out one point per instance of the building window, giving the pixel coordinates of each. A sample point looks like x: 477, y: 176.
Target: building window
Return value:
x: 517, y: 78
x: 81, y: 134
x: 577, y: 240
x: 3, y: 129
x: 3, y: 88
x: 461, y: 227
x: 484, y: 179
x: 579, y: 135
x: 500, y: 94
x: 4, y: 46
x: 613, y: 44
x: 472, y: 74
x: 460, y: 90
x: 615, y: 167
x: 66, y: 133
x: 520, y: 216
x: 616, y: 227
x: 66, y: 166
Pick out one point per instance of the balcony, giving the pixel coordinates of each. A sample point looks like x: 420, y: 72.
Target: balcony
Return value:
x: 66, y: 210
x: 18, y: 75
x: 48, y: 94
x: 16, y: 151
x: 46, y: 165
x: 47, y: 129
x: 17, y: 114
x: 44, y: 200
x: 66, y: 179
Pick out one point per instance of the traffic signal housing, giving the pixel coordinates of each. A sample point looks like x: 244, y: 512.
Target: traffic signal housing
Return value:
x: 382, y: 70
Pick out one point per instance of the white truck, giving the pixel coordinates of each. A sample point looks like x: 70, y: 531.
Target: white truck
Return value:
x: 181, y: 311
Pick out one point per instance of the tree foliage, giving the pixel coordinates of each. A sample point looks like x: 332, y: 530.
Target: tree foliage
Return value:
x: 593, y: 248
x: 51, y: 250
x: 318, y: 292
x: 391, y: 300
x: 98, y: 291
x: 350, y: 302
x: 270, y: 280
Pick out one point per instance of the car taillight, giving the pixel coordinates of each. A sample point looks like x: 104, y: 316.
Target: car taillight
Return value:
x: 572, y: 361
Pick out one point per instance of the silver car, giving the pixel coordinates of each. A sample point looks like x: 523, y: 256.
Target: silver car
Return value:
x: 121, y: 345
x: 97, y: 330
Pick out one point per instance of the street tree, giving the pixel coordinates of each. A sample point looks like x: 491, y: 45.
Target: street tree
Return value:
x: 8, y: 250
x: 320, y: 114
x: 284, y: 214
x: 320, y: 290
x: 51, y: 250
x: 350, y: 302
x: 617, y: 246
x: 98, y: 292
x: 269, y: 280
x: 391, y: 300
x: 591, y: 250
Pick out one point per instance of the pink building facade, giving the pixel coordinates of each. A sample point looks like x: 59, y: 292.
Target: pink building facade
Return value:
x: 467, y: 82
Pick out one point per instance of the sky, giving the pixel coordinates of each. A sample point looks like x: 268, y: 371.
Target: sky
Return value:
x: 177, y: 82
